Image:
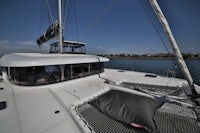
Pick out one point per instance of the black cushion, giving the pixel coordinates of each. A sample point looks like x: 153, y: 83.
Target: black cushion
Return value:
x: 128, y: 108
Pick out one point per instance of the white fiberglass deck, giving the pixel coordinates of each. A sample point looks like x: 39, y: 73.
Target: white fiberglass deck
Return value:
x: 51, y: 108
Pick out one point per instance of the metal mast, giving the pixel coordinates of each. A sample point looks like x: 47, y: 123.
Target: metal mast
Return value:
x: 175, y: 48
x: 60, y: 27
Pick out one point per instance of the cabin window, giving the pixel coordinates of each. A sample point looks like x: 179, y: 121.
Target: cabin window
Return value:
x: 80, y: 70
x: 96, y: 67
x: 67, y: 72
x: 34, y: 75
x: 0, y: 70
x: 21, y: 75
x: 40, y: 75
x: 46, y: 74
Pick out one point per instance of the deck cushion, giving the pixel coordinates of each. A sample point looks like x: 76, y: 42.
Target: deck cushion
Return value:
x: 128, y: 108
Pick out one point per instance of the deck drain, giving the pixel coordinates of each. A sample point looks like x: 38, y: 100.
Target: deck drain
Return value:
x: 57, y: 111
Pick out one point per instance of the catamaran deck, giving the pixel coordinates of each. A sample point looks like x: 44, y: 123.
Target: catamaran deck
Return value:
x: 51, y: 108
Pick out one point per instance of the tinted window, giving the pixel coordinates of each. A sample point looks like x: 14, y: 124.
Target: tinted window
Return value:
x: 40, y: 75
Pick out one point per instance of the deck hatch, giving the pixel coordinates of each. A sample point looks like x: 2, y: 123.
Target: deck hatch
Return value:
x: 3, y: 105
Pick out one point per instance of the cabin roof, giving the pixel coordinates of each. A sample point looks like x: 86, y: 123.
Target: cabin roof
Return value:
x: 38, y: 59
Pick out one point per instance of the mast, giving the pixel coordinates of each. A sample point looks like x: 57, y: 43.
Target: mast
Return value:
x: 60, y: 27
x: 175, y: 48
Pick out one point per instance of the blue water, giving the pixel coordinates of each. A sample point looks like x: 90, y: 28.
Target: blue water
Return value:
x: 156, y: 66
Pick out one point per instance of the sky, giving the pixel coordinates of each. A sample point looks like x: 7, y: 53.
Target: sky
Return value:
x: 106, y: 26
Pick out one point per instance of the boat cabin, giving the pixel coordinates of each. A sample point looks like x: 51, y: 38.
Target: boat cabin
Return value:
x: 40, y: 69
x: 68, y: 47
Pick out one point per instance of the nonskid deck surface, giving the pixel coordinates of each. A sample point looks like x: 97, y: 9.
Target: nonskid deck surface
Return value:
x: 166, y: 122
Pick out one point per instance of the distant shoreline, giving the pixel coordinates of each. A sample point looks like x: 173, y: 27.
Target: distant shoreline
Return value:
x: 186, y: 57
x: 152, y: 58
x: 159, y: 56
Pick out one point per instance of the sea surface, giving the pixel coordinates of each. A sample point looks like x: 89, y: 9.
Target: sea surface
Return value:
x: 157, y: 66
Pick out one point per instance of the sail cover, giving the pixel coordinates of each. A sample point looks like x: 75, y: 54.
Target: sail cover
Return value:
x: 51, y: 32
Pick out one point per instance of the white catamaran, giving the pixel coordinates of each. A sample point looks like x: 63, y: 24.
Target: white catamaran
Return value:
x: 71, y: 91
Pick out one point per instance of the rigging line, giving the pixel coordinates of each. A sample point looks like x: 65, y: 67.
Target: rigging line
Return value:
x: 154, y: 26
x: 157, y: 31
x: 49, y: 11
x: 41, y: 16
x: 76, y: 22
x: 65, y: 16
x: 106, y: 8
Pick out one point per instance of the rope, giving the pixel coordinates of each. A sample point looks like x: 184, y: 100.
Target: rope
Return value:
x: 41, y: 16
x: 69, y: 11
x: 49, y: 12
x: 76, y: 22
x: 106, y: 8
x: 156, y: 29
x: 65, y: 16
x: 154, y: 26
